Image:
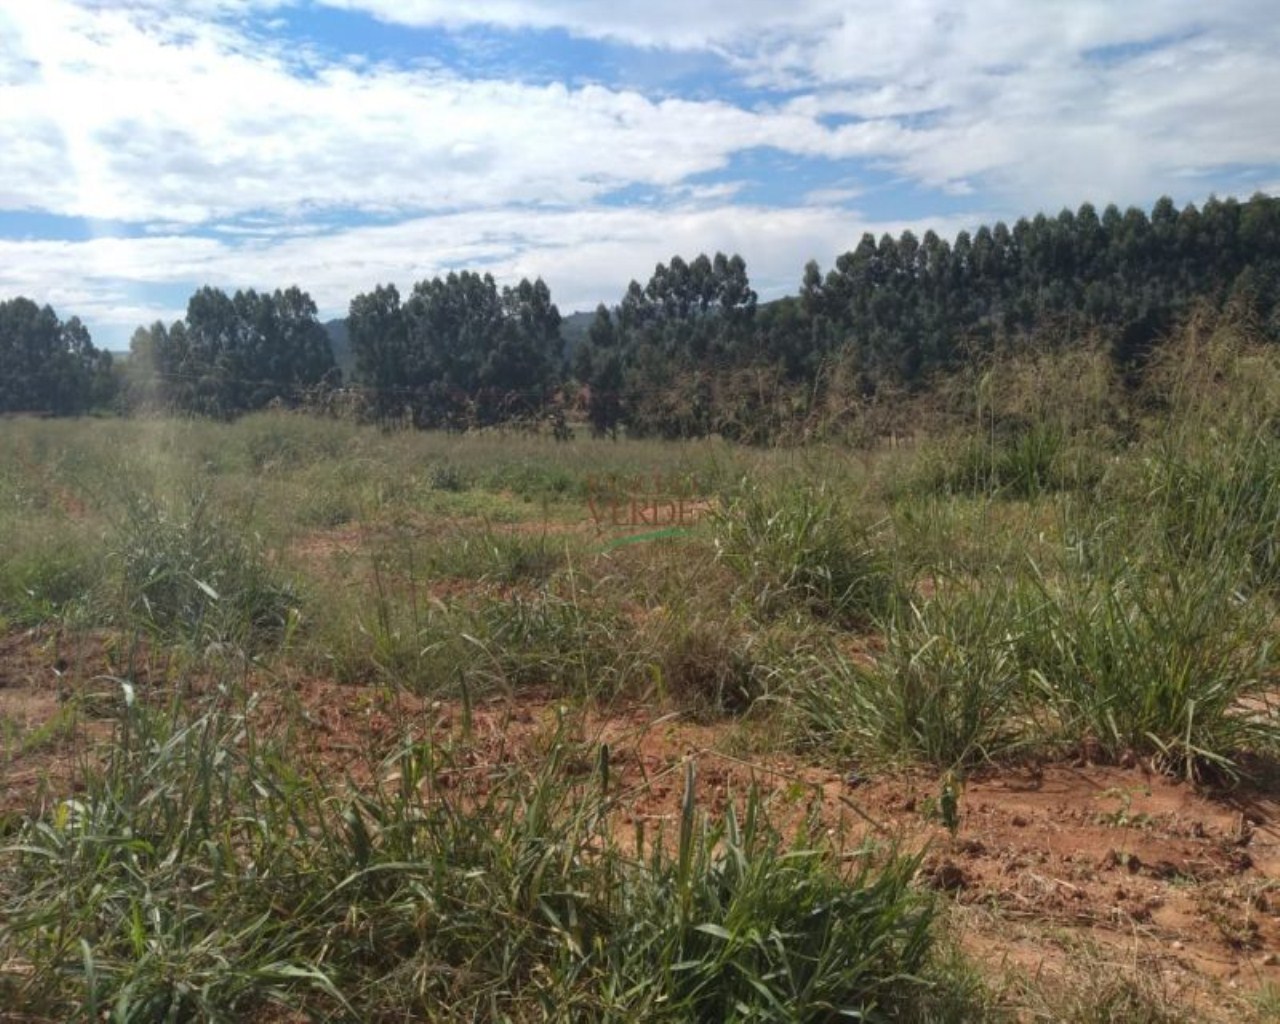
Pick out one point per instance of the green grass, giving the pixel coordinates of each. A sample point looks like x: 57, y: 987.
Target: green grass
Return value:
x: 205, y: 874
x: 798, y: 545
x: 949, y: 688
x: 1177, y: 664
x: 1052, y: 565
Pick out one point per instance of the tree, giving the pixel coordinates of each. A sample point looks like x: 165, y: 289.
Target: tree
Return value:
x: 375, y: 323
x: 458, y: 351
x: 47, y: 365
x: 238, y: 353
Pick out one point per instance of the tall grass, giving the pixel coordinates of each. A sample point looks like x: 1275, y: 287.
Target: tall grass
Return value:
x: 802, y: 547
x: 1063, y: 565
x: 1220, y: 499
x: 188, y: 575
x: 205, y: 874
x: 1174, y: 663
x: 949, y: 688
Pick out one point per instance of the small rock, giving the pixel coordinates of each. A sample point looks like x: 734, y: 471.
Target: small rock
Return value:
x: 949, y: 877
x: 1018, y: 821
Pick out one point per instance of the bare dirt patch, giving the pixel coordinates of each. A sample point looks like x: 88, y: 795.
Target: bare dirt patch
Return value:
x: 1051, y: 868
x: 1048, y: 865
x: 47, y: 714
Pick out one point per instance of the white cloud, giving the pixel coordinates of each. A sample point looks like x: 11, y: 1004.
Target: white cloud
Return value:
x: 130, y: 120
x: 135, y: 113
x: 178, y: 115
x: 676, y: 24
x: 1037, y: 100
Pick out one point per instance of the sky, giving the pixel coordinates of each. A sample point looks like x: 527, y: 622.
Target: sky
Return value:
x: 149, y: 147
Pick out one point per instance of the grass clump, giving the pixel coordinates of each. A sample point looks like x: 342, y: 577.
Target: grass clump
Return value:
x: 190, y: 576
x: 1174, y: 663
x: 802, y: 547
x: 1223, y: 501
x: 947, y: 689
x: 46, y: 573
x: 204, y: 874
x: 1023, y: 461
x: 706, y: 668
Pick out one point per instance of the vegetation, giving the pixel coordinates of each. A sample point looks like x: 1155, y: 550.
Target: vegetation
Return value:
x: 691, y: 352
x: 862, y: 610
x: 232, y: 354
x: 1052, y: 552
x: 47, y: 365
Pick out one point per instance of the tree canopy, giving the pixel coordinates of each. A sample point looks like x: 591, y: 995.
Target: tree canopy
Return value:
x: 234, y: 354
x: 47, y: 365
x: 691, y: 351
x: 457, y: 352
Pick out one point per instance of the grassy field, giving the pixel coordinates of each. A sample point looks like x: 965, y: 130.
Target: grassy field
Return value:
x: 304, y: 721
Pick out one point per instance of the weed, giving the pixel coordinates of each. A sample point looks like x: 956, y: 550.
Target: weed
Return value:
x: 189, y: 576
x: 204, y: 874
x: 800, y: 546
x: 1170, y: 663
x: 949, y: 688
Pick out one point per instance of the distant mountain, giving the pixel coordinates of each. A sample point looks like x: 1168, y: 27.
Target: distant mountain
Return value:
x: 340, y: 341
x: 573, y: 329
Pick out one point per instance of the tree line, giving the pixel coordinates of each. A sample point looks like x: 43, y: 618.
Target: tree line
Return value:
x: 692, y: 351
x: 899, y: 311
x: 49, y: 366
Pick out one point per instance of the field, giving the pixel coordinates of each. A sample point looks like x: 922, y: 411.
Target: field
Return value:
x: 976, y: 721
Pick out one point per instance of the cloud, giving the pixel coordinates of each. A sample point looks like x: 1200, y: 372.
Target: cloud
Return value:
x: 1046, y: 103
x: 674, y: 24
x: 134, y: 120
x: 131, y: 112
x: 247, y: 156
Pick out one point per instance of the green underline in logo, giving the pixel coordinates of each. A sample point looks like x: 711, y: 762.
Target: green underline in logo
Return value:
x: 672, y: 531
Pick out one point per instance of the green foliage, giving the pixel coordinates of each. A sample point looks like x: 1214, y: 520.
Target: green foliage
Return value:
x: 457, y: 352
x: 235, y: 354
x: 205, y: 875
x: 45, y: 573
x: 1172, y: 662
x: 802, y: 546
x: 1021, y: 464
x: 949, y: 688
x: 47, y: 365
x: 1221, y: 501
x: 191, y: 576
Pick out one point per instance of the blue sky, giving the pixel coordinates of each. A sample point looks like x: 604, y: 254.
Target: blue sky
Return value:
x: 153, y: 146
